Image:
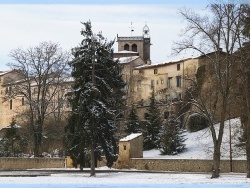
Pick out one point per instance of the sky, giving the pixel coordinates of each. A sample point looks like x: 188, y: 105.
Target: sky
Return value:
x: 26, y: 23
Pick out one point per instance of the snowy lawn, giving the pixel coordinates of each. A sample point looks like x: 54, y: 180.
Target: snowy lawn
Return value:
x: 200, y: 145
x: 127, y: 179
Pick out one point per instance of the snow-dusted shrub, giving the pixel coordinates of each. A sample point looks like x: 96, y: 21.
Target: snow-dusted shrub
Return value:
x: 197, y: 122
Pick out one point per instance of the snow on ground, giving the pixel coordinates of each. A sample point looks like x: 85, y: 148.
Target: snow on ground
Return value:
x: 200, y: 145
x: 127, y: 179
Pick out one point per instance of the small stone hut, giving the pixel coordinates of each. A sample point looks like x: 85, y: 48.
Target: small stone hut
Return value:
x: 130, y: 146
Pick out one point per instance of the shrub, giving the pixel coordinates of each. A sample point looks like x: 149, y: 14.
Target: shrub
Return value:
x: 197, y: 122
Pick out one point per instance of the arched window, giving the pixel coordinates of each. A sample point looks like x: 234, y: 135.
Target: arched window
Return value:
x: 134, y: 48
x: 126, y: 47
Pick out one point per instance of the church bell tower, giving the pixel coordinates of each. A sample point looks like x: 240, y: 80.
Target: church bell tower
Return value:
x: 140, y: 44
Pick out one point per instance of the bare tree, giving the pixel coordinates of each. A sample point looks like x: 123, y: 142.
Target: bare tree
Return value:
x: 41, y: 70
x: 220, y: 30
x: 245, y: 86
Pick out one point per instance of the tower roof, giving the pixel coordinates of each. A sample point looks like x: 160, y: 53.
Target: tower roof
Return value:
x: 146, y: 28
x: 145, y: 31
x: 138, y: 38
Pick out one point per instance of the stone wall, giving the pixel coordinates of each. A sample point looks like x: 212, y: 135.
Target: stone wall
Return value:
x: 186, y: 165
x: 30, y: 163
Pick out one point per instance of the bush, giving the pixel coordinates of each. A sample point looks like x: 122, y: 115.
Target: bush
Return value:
x: 197, y: 122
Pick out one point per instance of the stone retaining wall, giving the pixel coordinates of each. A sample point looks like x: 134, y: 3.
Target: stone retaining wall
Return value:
x: 9, y: 163
x: 186, y: 165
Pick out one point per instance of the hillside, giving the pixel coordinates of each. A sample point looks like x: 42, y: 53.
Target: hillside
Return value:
x: 200, y: 145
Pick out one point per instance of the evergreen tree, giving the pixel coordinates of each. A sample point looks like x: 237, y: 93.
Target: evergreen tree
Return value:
x: 97, y: 94
x: 172, y: 137
x: 12, y: 138
x: 75, y: 141
x: 153, y: 125
x: 133, y: 124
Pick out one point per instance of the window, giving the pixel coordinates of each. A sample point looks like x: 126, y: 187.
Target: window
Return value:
x: 162, y: 81
x: 62, y: 89
x: 22, y: 101
x: 157, y: 82
x: 60, y: 103
x: 67, y: 104
x: 178, y: 66
x: 155, y: 71
x: 166, y: 115
x: 134, y: 48
x: 10, y: 104
x: 141, y: 102
x: 8, y: 90
x: 179, y: 95
x: 124, y: 147
x: 178, y: 81
x: 126, y: 47
x: 146, y: 116
x: 152, y: 84
x: 168, y: 97
x: 169, y: 82
x: 139, y: 84
x: 141, y: 71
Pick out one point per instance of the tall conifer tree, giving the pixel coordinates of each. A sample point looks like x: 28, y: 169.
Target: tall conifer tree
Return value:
x: 153, y: 125
x: 172, y: 137
x: 97, y: 95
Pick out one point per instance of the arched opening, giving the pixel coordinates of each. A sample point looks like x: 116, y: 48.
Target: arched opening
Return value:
x: 134, y: 48
x: 126, y: 47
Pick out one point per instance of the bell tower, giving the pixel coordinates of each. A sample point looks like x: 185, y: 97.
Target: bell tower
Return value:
x: 146, y: 44
x: 140, y: 44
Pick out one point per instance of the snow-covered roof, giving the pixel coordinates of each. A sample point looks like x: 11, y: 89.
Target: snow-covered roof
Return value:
x: 130, y: 38
x: 126, y: 51
x: 163, y: 63
x: 130, y: 137
x: 4, y: 72
x: 123, y: 60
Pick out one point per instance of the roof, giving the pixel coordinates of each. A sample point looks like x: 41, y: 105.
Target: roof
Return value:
x: 4, y: 72
x: 162, y: 63
x: 124, y: 60
x: 140, y: 38
x: 130, y: 137
x: 126, y: 52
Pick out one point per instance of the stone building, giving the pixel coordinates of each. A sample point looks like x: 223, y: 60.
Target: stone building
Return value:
x: 130, y: 146
x: 140, y: 44
x: 14, y: 105
x: 168, y: 80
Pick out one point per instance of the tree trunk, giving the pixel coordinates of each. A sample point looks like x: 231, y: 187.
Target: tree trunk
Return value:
x: 216, y: 162
x: 37, y: 139
x: 92, y: 163
x: 247, y: 128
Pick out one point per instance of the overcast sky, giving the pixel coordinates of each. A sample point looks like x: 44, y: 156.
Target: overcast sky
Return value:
x: 26, y: 23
